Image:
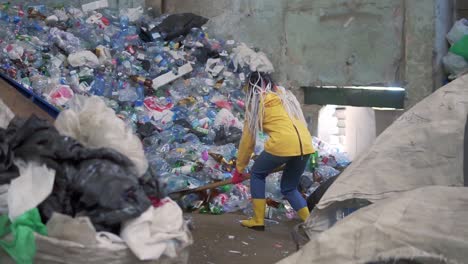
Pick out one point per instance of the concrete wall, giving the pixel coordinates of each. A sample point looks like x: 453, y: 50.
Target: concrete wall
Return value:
x: 313, y: 42
x: 337, y: 42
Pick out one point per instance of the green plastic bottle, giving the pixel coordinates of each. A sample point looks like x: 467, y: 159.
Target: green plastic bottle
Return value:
x: 461, y: 47
x: 313, y: 164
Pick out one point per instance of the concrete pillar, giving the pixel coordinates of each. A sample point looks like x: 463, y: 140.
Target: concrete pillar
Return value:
x: 419, y: 47
x: 360, y: 130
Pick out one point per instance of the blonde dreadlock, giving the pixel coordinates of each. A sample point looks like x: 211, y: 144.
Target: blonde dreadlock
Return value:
x: 259, y: 86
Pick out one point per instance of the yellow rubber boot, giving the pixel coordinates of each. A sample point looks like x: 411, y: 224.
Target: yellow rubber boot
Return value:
x: 257, y: 222
x: 303, y: 213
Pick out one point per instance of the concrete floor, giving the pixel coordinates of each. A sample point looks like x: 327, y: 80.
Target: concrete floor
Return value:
x: 219, y: 239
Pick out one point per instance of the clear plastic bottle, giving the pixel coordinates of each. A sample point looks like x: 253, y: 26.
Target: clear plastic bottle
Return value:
x: 74, y: 81
x: 99, y: 85
x: 128, y: 94
x: 140, y: 93
x: 190, y: 201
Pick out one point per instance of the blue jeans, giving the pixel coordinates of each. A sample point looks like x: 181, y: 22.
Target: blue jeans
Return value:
x: 292, y: 173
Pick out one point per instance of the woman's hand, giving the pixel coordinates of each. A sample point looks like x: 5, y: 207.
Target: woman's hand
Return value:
x: 237, y: 177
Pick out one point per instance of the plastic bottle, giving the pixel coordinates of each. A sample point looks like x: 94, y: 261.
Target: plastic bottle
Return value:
x: 140, y: 91
x: 326, y: 172
x: 190, y: 202
x: 74, y: 81
x: 188, y: 169
x: 99, y: 85
x: 128, y: 94
x: 314, y: 159
x: 239, y: 199
x: 124, y: 23
x: 142, y: 80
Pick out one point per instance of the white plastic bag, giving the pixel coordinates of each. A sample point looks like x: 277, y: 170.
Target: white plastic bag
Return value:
x: 32, y: 187
x: 6, y: 115
x: 4, y: 199
x: 459, y: 29
x: 454, y: 64
x: 133, y: 14
x: 227, y: 119
x: 257, y: 61
x: 83, y: 58
x: 157, y: 232
x: 95, y: 125
x: 79, y: 229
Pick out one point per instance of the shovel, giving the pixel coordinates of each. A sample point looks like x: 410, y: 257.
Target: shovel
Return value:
x: 179, y: 194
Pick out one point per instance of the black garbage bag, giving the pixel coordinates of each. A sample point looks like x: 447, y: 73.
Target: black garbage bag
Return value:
x: 173, y: 26
x: 8, y: 171
x: 305, y: 183
x: 231, y: 135
x: 98, y: 183
x: 315, y: 197
x: 145, y: 130
x: 204, y: 53
x: 185, y: 124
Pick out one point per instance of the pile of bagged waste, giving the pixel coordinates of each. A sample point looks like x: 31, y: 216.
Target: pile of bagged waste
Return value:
x: 93, y: 195
x: 456, y: 61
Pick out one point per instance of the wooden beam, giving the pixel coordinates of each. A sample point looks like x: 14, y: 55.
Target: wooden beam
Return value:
x: 355, y: 97
x: 19, y: 104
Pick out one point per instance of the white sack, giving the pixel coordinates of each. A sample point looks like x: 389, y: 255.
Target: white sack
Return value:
x: 427, y: 225
x: 6, y: 115
x: 31, y: 188
x: 423, y: 147
x: 79, y: 229
x: 157, y: 232
x: 95, y: 125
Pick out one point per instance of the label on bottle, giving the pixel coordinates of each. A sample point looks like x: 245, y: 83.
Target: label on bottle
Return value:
x: 140, y: 80
x: 155, y: 35
x: 183, y: 170
x: 202, y: 130
x: 141, y: 56
x: 158, y: 59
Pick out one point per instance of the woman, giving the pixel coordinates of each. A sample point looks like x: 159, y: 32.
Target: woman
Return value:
x: 273, y: 110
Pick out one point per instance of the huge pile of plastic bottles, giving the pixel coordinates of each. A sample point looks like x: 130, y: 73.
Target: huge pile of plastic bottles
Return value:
x: 182, y: 95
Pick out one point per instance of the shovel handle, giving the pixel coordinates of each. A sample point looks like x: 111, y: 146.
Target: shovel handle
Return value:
x: 218, y: 184
x: 206, y: 187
